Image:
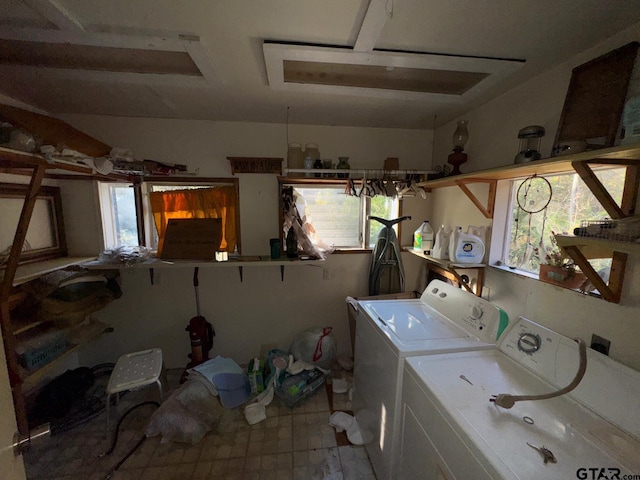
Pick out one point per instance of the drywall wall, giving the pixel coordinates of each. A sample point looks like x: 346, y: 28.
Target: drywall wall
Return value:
x: 261, y: 310
x: 493, y: 142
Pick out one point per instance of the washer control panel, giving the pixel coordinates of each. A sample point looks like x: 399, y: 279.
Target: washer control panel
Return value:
x: 536, y: 347
x: 472, y: 313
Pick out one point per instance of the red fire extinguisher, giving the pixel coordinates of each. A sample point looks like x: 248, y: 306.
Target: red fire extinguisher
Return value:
x: 201, y: 334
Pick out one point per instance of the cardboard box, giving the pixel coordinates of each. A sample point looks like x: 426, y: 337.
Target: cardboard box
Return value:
x: 191, y: 239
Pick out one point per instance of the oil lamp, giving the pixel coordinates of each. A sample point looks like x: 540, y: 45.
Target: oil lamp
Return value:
x: 460, y: 137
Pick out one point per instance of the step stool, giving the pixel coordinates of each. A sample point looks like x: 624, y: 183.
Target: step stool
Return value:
x: 134, y: 371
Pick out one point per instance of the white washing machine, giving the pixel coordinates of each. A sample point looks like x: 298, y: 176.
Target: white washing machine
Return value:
x: 444, y: 319
x: 451, y: 430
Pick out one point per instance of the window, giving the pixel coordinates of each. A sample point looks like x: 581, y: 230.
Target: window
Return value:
x: 571, y: 203
x: 119, y: 219
x: 45, y: 234
x: 340, y: 220
x: 132, y: 214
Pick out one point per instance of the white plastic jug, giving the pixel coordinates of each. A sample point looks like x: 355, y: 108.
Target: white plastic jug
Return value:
x: 453, y: 238
x: 483, y: 233
x: 441, y: 245
x: 423, y: 238
x: 467, y: 249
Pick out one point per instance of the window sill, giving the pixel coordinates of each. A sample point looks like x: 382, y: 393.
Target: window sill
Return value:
x: 345, y: 250
x: 515, y: 271
x: 534, y: 276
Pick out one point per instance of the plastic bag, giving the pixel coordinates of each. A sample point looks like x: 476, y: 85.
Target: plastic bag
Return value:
x: 187, y: 415
x: 316, y: 345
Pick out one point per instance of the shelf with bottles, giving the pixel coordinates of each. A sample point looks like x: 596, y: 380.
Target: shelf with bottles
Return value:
x: 449, y: 270
x: 355, y: 173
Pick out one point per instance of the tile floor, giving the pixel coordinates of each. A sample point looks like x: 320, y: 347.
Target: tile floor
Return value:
x: 291, y: 444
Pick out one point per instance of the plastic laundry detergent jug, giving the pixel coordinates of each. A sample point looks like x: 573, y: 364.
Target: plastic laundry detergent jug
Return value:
x: 467, y: 248
x: 441, y: 245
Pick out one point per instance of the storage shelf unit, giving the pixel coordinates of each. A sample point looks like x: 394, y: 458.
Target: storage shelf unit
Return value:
x: 30, y: 271
x: 13, y: 274
x: 85, y: 334
x: 578, y: 248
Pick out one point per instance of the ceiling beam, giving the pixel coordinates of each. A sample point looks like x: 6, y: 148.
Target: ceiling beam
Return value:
x: 372, y: 25
x: 56, y: 14
x: 201, y: 57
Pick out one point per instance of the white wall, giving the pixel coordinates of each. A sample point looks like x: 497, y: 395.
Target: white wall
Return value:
x: 261, y: 310
x: 493, y: 142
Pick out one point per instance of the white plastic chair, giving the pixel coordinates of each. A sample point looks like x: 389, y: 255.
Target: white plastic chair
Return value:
x: 133, y: 371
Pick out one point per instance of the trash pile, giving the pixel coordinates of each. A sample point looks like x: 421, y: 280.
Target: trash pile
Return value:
x: 215, y: 387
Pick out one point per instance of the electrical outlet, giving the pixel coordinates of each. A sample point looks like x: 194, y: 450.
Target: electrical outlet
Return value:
x: 600, y: 344
x: 486, y: 293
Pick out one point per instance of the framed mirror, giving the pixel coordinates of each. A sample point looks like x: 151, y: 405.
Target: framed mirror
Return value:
x: 45, y: 236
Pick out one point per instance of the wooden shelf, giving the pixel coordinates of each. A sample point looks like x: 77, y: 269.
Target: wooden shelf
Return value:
x: 237, y: 262
x: 623, y: 155
x: 594, y: 247
x: 31, y: 271
x: 81, y: 335
x: 256, y: 261
x: 449, y: 269
x: 22, y: 163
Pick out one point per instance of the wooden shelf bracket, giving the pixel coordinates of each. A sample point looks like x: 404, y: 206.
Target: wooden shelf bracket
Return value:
x: 629, y: 194
x: 488, y: 210
x: 611, y: 291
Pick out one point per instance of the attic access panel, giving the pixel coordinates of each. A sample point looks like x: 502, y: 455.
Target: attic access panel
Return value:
x: 92, y: 57
x: 374, y: 76
x: 382, y: 74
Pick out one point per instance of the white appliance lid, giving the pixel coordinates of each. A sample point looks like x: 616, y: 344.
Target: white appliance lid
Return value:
x: 414, y: 321
x: 577, y: 437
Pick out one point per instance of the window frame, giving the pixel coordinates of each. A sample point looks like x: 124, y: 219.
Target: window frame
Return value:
x: 364, y: 227
x: 50, y: 197
x: 502, y: 221
x: 143, y: 187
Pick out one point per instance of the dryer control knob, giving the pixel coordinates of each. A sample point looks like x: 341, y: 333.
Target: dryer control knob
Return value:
x: 476, y: 312
x: 434, y: 290
x: 442, y: 295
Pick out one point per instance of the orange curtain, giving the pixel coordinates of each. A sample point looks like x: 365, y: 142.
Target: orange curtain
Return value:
x: 215, y: 202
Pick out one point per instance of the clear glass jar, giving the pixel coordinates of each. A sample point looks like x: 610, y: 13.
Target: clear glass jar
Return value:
x: 311, y: 150
x: 295, y: 156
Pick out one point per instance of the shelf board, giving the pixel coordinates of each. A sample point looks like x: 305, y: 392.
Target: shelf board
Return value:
x: 22, y: 163
x: 594, y: 247
x: 246, y: 261
x: 31, y: 271
x: 547, y: 166
x: 83, y: 334
x: 446, y: 264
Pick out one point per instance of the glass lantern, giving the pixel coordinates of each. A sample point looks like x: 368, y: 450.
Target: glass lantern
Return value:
x: 530, y: 138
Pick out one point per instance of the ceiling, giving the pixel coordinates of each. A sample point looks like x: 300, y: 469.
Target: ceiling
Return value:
x: 399, y: 63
